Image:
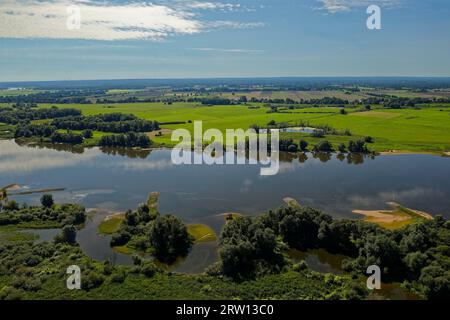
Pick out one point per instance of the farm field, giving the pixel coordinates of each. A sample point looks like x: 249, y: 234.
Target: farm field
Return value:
x: 421, y: 130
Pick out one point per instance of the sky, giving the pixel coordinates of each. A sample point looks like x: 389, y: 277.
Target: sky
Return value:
x: 118, y: 39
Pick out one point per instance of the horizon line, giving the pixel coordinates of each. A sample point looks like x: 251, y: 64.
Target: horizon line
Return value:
x: 234, y: 78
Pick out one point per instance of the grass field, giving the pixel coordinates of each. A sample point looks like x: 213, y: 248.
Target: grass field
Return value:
x: 111, y: 224
x: 202, y: 233
x: 424, y: 130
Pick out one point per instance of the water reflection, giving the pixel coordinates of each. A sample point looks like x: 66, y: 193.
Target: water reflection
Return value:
x: 194, y: 192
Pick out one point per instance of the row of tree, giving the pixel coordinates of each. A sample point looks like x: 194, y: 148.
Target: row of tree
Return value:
x: 15, y: 115
x: 114, y: 122
x: 130, y: 139
x: 359, y: 146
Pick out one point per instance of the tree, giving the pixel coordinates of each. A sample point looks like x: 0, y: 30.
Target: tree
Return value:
x: 292, y: 148
x: 169, y: 238
x: 87, y: 134
x: 323, y: 146
x: 342, y: 148
x: 357, y: 147
x: 343, y: 111
x: 131, y: 218
x: 249, y: 247
x: 303, y: 145
x: 68, y: 235
x: 47, y: 200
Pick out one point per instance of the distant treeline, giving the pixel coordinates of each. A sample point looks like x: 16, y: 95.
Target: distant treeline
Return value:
x: 15, y: 115
x: 62, y: 96
x: 114, y: 122
x: 129, y: 140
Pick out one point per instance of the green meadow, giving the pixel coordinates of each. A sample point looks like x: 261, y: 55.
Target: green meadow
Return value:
x: 416, y: 130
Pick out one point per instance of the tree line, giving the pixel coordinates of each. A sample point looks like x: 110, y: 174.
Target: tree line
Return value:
x: 15, y: 115
x: 358, y: 146
x: 130, y: 139
x: 114, y: 122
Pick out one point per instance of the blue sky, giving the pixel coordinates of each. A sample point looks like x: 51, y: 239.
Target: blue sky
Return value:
x: 235, y: 38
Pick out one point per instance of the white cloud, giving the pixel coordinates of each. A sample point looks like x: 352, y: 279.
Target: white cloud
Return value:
x: 146, y: 165
x: 335, y: 6
x: 103, y: 20
x: 15, y: 159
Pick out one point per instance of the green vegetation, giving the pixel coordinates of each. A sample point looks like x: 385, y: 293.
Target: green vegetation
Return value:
x: 25, y: 275
x: 417, y: 130
x: 129, y: 140
x: 253, y: 260
x: 414, y: 120
x: 417, y: 255
x: 201, y: 233
x: 144, y: 230
x: 44, y: 216
x: 169, y: 238
x: 111, y: 224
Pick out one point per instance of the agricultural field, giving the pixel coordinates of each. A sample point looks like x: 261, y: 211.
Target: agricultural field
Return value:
x: 415, y: 130
x: 299, y: 95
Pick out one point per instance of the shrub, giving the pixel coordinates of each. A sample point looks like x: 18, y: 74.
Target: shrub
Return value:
x: 149, y: 269
x: 68, y: 235
x: 323, y: 146
x: 303, y: 145
x: 47, y: 200
x: 91, y: 280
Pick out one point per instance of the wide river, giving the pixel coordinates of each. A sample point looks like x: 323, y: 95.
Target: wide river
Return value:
x: 116, y: 180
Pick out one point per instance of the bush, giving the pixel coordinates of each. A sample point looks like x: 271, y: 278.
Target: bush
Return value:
x: 118, y: 277
x: 47, y: 200
x: 120, y: 239
x: 323, y: 146
x: 11, y: 206
x: 318, y: 134
x: 10, y: 293
x: 357, y: 147
x: 149, y: 269
x: 91, y: 280
x: 303, y: 145
x: 68, y: 235
x: 87, y: 134
x: 301, y: 266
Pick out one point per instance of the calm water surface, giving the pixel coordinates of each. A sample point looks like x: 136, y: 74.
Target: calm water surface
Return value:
x: 115, y: 180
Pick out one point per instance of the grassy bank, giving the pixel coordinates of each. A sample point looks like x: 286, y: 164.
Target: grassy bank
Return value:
x: 202, y: 233
x: 111, y: 224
